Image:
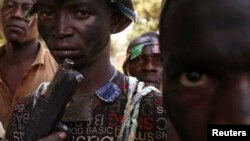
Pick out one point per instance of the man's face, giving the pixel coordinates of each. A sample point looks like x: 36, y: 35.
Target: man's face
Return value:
x: 147, y: 66
x: 75, y: 29
x: 207, y: 74
x: 15, y: 29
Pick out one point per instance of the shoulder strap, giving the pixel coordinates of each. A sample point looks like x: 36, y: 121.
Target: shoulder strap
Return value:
x: 131, y: 112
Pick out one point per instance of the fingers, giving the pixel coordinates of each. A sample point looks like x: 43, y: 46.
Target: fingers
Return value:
x: 59, y: 136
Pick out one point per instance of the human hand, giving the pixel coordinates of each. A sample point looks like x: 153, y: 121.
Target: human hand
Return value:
x: 58, y: 136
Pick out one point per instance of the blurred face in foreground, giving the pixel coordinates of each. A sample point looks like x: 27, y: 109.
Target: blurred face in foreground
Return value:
x: 75, y: 29
x: 206, y: 64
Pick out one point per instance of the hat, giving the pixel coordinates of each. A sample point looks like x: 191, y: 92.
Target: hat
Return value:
x: 126, y: 13
x: 125, y: 8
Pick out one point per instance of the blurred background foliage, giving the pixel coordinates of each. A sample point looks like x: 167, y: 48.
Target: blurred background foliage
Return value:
x: 148, y: 16
x: 148, y: 12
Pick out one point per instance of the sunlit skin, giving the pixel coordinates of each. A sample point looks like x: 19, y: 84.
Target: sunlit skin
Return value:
x: 206, y: 64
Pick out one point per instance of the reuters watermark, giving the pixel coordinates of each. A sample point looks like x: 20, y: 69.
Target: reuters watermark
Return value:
x: 237, y: 132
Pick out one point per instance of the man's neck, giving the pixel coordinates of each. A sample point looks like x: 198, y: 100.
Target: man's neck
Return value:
x: 96, y: 75
x: 21, y: 53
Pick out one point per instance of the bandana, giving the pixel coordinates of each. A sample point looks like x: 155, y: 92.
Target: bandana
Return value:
x: 137, y: 50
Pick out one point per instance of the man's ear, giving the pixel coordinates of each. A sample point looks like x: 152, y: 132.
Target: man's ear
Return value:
x: 118, y: 22
x: 125, y: 67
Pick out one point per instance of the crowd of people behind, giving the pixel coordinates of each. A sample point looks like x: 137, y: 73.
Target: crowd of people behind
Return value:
x: 193, y: 73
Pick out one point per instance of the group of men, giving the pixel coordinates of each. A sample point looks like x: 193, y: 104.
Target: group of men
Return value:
x: 80, y: 31
x: 204, y: 49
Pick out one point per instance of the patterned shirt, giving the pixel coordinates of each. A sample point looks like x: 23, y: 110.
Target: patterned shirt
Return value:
x: 106, y: 118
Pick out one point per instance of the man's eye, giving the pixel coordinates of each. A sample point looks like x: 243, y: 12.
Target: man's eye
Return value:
x: 193, y: 79
x: 138, y: 58
x: 9, y: 5
x: 46, y: 14
x: 26, y: 8
x: 82, y: 14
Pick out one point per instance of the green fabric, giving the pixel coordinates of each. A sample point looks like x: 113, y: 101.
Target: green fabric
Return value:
x: 136, y: 51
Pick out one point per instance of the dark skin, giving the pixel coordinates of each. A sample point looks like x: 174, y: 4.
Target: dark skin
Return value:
x: 69, y: 29
x: 21, y: 42
x: 146, y: 67
x: 79, y: 30
x: 207, y: 78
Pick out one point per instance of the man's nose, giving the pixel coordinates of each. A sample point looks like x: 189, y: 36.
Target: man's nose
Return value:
x: 62, y: 27
x: 231, y: 105
x: 149, y: 65
x: 18, y: 12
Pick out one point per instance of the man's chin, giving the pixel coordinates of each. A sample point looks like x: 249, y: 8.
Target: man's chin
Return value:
x: 60, y: 60
x: 78, y: 62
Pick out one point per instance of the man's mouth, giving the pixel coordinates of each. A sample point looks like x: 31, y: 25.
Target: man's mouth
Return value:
x: 64, y: 53
x: 14, y: 27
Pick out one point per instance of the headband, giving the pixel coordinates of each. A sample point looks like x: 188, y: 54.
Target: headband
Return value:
x: 136, y: 51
